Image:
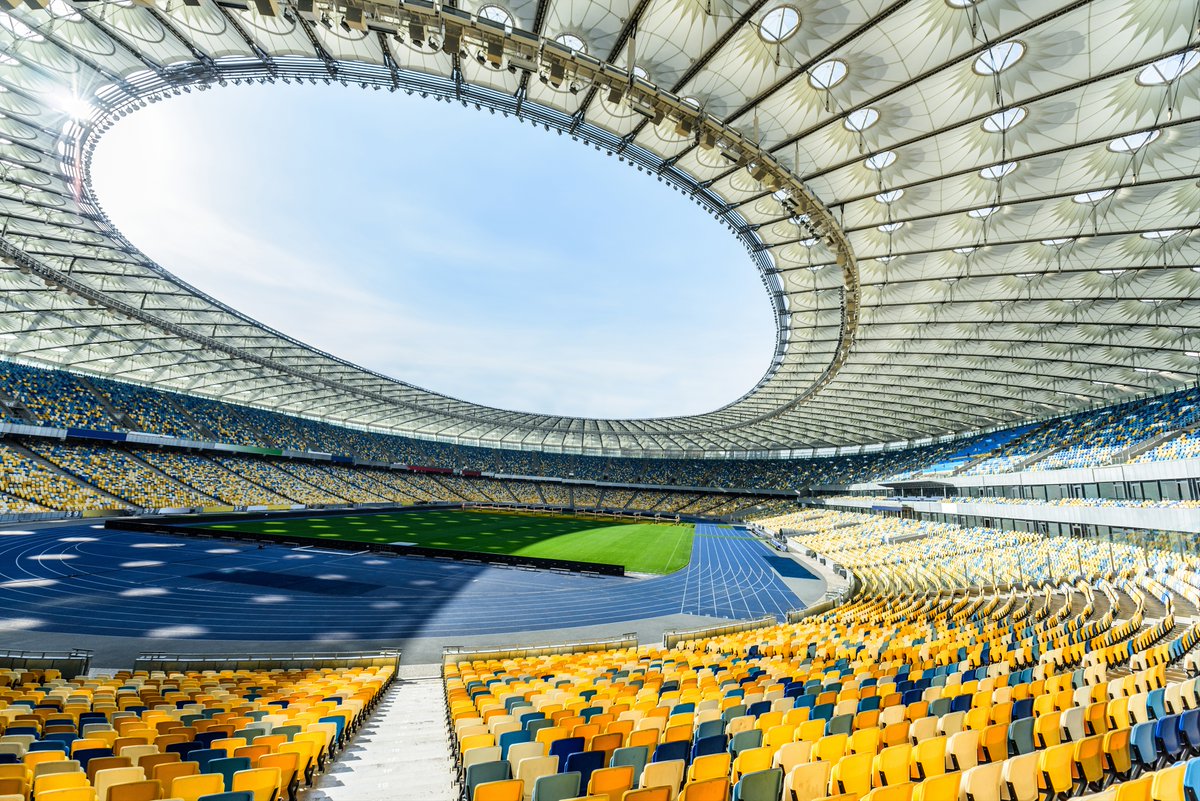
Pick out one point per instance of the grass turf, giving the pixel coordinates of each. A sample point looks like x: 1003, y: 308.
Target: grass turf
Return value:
x: 640, y: 547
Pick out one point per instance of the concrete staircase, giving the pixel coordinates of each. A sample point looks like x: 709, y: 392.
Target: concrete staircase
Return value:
x: 403, y: 751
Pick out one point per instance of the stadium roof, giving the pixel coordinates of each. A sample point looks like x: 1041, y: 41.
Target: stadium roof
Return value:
x: 966, y: 213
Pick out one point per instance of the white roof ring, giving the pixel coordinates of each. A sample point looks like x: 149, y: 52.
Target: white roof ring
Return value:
x: 862, y: 355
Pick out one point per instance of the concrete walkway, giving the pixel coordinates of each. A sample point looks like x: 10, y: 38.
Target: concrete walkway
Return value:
x: 402, y: 753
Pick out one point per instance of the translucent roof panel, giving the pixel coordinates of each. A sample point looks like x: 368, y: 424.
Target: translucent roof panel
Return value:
x: 896, y: 321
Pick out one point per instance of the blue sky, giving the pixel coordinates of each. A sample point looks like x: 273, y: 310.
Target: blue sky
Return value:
x: 460, y: 251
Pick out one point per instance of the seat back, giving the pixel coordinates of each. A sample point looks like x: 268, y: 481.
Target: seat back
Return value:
x: 760, y: 785
x: 112, y: 776
x: 263, y: 783
x: 556, y: 787
x: 509, y: 790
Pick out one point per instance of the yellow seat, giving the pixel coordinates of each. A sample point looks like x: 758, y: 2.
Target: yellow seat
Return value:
x: 59, y: 781
x: 611, y: 783
x: 929, y: 758
x: 484, y: 740
x: 306, y: 756
x: 938, y: 788
x: 264, y: 783
x: 1136, y: 789
x: 69, y: 794
x: 288, y: 766
x: 852, y: 774
x: 1168, y: 783
x: 752, y: 760
x: 830, y: 748
x: 890, y: 765
x: 648, y: 794
x: 190, y: 788
x: 507, y: 790
x: 708, y: 790
x: 147, y: 790
x: 897, y: 792
x: 709, y: 766
x: 1055, y: 766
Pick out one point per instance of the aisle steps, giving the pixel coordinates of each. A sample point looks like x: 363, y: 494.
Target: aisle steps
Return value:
x: 401, y: 753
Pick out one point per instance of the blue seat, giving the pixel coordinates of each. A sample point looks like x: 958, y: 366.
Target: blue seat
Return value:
x: 534, y: 726
x: 339, y: 723
x: 744, y: 740
x: 1022, y: 709
x: 1191, y: 780
x: 49, y: 745
x: 1166, y: 737
x: 1157, y: 704
x: 759, y: 708
x: 1189, y: 730
x: 761, y: 785
x: 62, y: 737
x: 86, y: 755
x: 961, y: 703
x: 482, y: 772
x: 868, y: 704
x: 585, y: 763
x: 1020, y: 737
x: 9, y: 759
x: 1145, y: 750
x: 205, y: 757
x: 634, y: 756
x: 666, y: 752
x: 240, y: 795
x: 564, y: 748
x: 709, y: 728
x: 227, y: 767
x: 840, y: 724
x: 511, y: 738
x: 207, y: 738
x: 528, y: 717
x: 185, y: 750
x: 556, y: 787
x: 714, y: 744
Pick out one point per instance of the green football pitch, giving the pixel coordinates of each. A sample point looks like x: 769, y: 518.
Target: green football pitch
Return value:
x: 640, y: 547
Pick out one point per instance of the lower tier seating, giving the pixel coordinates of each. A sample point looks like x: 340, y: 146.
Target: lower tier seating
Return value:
x: 229, y: 735
x: 942, y: 688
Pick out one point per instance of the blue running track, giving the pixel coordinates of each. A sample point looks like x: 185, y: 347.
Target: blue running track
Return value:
x: 87, y: 580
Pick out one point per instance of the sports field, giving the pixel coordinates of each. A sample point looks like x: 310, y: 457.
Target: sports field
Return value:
x: 640, y: 547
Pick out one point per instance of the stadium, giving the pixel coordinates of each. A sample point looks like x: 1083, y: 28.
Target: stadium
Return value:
x: 943, y: 549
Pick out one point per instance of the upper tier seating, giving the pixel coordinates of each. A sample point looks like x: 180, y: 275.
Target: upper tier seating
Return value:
x: 1090, y: 438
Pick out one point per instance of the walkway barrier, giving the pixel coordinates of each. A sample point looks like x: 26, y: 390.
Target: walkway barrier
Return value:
x: 461, y: 653
x: 673, y: 638
x: 796, y: 615
x: 266, y: 661
x: 75, y: 662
